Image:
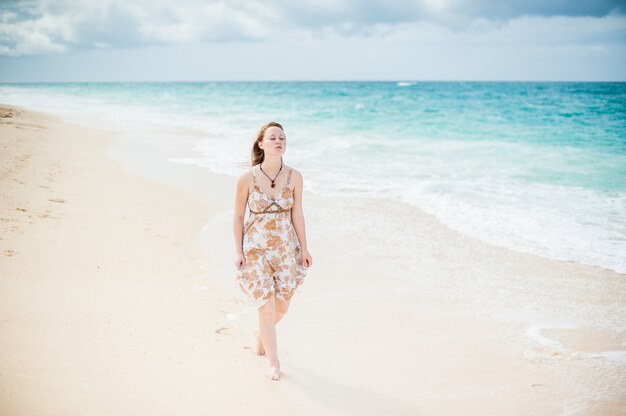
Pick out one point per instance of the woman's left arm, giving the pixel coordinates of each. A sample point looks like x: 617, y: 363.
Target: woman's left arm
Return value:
x: 297, y: 217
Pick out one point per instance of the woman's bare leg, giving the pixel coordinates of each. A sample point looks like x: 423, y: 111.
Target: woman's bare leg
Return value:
x: 268, y: 330
x: 260, y: 350
x: 280, y: 309
x: 269, y: 315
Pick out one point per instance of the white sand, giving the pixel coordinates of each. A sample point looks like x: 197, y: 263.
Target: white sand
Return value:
x: 116, y: 277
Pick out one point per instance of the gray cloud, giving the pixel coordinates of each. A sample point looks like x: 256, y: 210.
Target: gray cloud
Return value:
x: 42, y: 27
x: 510, y: 9
x: 454, y: 14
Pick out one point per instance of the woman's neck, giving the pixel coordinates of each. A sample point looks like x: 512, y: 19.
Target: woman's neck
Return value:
x: 271, y: 164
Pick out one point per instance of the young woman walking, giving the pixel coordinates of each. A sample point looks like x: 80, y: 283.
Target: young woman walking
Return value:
x: 271, y: 251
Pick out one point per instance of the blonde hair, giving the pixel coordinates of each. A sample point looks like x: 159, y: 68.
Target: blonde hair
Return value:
x: 258, y: 155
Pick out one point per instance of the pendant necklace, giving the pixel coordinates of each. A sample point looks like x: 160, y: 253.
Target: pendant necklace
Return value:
x: 281, y: 168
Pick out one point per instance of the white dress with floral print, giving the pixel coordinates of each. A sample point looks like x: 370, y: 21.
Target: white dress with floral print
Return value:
x: 273, y: 257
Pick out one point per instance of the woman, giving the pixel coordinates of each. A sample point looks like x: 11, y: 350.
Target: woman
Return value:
x: 271, y: 250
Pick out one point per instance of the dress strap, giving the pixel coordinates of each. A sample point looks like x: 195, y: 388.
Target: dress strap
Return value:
x: 289, y: 176
x: 253, y: 174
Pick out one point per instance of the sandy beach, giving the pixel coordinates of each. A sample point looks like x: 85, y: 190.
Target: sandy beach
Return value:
x: 116, y: 275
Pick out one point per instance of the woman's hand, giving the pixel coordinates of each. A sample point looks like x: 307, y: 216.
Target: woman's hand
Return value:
x: 307, y: 259
x: 239, y: 260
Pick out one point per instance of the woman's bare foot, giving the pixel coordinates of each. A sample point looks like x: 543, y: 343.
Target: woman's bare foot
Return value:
x: 274, y: 372
x: 260, y: 350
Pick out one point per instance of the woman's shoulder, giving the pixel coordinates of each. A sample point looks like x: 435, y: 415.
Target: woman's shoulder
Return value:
x: 246, y: 177
x: 295, y: 175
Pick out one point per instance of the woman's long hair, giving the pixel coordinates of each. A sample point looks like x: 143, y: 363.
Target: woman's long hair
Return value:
x: 258, y: 155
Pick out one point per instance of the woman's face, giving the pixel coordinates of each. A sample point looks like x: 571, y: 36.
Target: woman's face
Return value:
x: 274, y: 141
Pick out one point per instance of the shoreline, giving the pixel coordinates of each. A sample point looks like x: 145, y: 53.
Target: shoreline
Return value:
x: 418, y: 318
x: 163, y: 130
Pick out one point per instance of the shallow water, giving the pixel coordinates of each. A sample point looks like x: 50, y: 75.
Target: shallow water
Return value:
x: 539, y: 167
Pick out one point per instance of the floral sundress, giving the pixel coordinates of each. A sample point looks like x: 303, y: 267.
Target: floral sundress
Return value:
x: 273, y: 262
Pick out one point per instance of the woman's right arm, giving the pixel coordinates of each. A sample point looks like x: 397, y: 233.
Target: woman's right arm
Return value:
x: 241, y: 198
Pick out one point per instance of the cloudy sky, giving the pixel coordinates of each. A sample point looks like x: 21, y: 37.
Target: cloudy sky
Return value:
x: 193, y: 40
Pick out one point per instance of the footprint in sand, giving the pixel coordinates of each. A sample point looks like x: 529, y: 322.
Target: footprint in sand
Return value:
x: 222, y: 329
x: 47, y: 214
x: 8, y: 253
x: 6, y: 113
x: 59, y: 200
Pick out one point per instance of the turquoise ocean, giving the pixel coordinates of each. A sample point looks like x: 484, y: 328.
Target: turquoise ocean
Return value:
x: 538, y: 167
